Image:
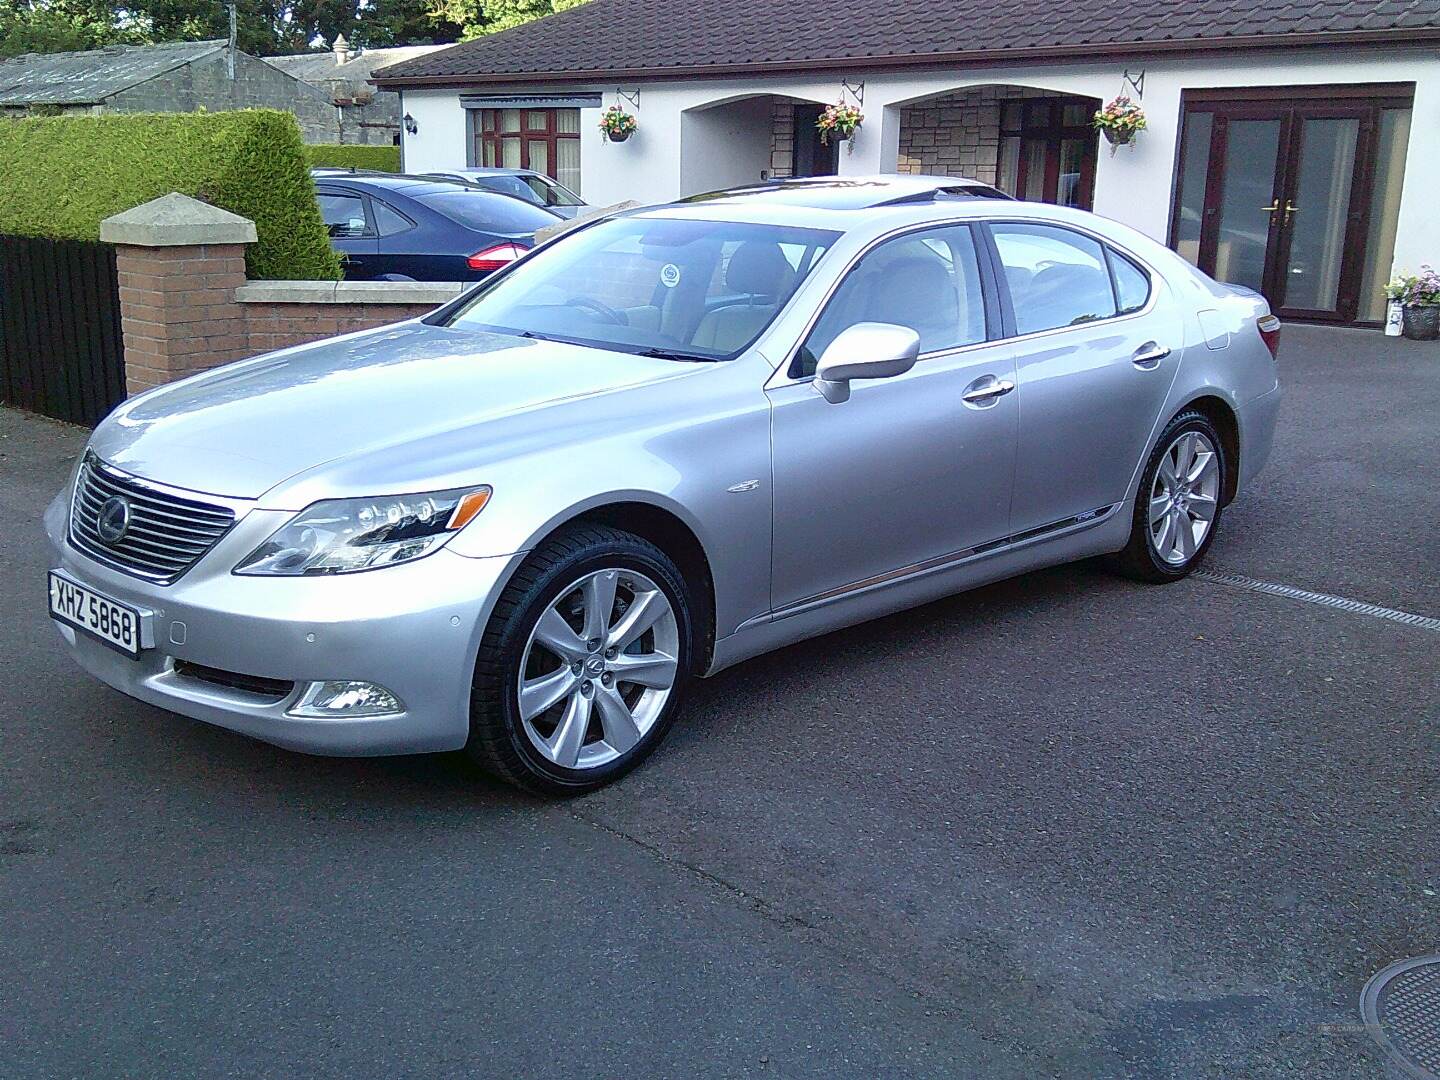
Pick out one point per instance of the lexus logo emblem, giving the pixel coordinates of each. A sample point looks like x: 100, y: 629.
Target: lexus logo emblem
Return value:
x: 113, y: 520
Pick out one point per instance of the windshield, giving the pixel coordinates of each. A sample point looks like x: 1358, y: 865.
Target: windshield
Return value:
x: 552, y: 192
x: 683, y: 289
x: 508, y: 185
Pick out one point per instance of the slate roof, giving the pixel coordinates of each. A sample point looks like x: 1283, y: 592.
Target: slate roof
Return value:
x: 607, y: 39
x: 88, y: 78
x: 353, y: 76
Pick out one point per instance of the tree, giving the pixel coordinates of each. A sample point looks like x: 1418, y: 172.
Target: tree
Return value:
x: 479, y: 17
x: 263, y: 27
x: 47, y: 26
x: 383, y: 23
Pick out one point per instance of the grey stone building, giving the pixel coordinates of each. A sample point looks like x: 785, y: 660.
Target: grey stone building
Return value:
x: 367, y: 115
x: 176, y: 77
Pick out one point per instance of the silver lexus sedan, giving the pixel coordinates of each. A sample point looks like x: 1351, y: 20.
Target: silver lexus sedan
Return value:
x: 668, y: 441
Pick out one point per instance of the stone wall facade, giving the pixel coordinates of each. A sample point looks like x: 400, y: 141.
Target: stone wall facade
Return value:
x: 206, y: 83
x: 958, y: 134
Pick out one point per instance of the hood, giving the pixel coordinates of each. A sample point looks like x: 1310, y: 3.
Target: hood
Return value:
x: 242, y: 429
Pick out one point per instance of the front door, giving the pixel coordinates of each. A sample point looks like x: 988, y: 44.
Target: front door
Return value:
x: 1288, y: 202
x: 908, y: 470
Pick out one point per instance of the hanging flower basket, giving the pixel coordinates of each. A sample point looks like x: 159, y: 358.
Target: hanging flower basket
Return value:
x: 1119, y: 121
x: 617, y: 124
x: 839, y: 123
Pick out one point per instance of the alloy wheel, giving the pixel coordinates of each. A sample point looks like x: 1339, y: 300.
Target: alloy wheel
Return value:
x: 598, y: 668
x: 1184, y: 498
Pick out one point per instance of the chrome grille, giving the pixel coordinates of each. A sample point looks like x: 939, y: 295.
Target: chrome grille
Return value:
x: 166, y: 534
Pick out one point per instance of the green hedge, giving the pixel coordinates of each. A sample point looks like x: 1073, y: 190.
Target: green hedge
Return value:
x: 64, y: 175
x: 335, y: 156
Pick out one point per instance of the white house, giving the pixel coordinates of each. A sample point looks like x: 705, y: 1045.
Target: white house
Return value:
x: 1290, y: 148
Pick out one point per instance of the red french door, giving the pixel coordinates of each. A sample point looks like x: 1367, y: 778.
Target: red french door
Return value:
x: 1285, y: 204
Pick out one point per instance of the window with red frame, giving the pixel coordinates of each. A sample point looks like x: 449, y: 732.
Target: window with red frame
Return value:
x: 545, y: 140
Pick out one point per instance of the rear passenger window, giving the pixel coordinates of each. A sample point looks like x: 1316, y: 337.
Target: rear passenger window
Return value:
x: 928, y: 281
x: 1056, y: 277
x: 1132, y: 285
x: 388, y: 220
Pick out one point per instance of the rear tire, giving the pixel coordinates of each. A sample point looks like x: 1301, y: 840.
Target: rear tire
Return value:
x: 1178, y: 503
x: 595, y: 633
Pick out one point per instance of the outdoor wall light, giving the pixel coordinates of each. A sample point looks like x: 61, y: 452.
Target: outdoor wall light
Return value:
x: 411, y: 128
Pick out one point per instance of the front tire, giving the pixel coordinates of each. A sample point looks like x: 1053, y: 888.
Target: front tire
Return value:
x: 583, y: 664
x: 1178, y: 504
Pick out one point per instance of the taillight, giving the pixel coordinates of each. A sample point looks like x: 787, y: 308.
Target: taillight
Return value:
x: 1269, y: 327
x: 493, y: 258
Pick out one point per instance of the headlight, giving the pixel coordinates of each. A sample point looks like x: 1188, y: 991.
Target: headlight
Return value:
x: 340, y: 536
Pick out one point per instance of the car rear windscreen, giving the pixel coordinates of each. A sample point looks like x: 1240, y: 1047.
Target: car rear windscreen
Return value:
x: 486, y: 211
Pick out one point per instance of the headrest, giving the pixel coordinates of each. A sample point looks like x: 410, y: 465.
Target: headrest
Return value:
x: 759, y: 267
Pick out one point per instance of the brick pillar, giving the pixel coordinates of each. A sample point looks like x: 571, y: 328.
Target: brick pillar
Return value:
x: 179, y: 262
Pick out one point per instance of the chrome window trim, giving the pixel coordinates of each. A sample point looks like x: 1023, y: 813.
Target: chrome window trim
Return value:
x: 1104, y: 242
x: 780, y: 375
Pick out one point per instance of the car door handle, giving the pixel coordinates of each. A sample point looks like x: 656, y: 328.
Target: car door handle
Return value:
x: 986, y: 391
x: 1148, y: 357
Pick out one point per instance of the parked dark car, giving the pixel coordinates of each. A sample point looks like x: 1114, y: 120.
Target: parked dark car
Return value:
x: 524, y: 184
x: 405, y: 228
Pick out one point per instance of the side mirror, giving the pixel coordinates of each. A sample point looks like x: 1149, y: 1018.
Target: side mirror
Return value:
x: 867, y: 350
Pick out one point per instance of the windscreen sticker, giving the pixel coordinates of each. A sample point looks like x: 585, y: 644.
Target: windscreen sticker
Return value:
x: 670, y: 275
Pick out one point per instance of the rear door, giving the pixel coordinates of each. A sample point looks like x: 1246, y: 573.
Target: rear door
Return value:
x: 1097, y: 350
x: 352, y: 231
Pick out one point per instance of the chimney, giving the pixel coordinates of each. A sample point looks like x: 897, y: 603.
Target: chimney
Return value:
x: 342, y: 49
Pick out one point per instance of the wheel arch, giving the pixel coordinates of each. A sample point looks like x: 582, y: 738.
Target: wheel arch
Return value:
x: 1222, y: 415
x: 673, y: 535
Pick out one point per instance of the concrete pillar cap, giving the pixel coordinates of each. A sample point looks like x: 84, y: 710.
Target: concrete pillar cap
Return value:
x: 176, y: 220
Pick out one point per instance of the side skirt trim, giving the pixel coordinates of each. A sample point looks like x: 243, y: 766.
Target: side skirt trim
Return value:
x: 1005, y: 544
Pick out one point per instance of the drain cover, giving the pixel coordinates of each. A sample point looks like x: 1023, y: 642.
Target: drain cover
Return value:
x: 1401, y: 1009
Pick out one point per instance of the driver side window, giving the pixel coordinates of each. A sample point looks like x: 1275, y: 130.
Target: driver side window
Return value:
x: 928, y: 281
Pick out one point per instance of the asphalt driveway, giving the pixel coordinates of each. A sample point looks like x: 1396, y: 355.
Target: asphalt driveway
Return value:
x: 1063, y: 826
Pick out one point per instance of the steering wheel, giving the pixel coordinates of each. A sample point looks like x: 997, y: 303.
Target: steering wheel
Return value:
x: 599, y: 307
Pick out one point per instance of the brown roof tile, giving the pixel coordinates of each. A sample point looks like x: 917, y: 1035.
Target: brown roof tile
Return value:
x: 627, y: 38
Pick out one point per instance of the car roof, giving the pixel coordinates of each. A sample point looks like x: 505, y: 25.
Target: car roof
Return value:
x: 397, y: 182
x: 491, y: 170
x: 853, y: 192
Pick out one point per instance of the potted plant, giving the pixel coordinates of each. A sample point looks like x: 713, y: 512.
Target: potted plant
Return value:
x: 1420, y: 295
x: 617, y: 124
x: 839, y: 122
x: 1119, y: 121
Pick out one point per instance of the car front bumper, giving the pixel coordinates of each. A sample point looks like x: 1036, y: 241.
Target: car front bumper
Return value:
x: 413, y: 629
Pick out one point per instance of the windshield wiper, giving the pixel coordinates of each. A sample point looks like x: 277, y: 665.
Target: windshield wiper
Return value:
x: 658, y: 353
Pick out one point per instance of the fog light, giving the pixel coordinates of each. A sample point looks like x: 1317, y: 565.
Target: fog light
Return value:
x: 342, y: 699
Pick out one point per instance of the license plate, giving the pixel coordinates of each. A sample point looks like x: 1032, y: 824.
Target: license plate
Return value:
x: 116, y: 624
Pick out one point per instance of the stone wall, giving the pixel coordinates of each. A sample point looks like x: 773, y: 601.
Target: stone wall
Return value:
x: 372, y: 123
x: 186, y: 307
x: 279, y: 314
x: 958, y: 134
x: 206, y: 84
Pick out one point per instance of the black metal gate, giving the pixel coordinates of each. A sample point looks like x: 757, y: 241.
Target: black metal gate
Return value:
x: 61, y: 351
